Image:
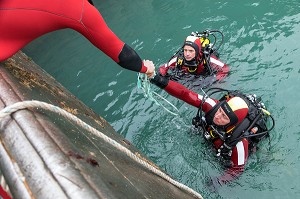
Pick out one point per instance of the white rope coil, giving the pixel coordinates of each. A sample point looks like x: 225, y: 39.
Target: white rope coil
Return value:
x: 38, y: 104
x: 144, y: 84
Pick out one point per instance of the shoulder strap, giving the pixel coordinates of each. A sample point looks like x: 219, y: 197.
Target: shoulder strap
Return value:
x: 237, y: 133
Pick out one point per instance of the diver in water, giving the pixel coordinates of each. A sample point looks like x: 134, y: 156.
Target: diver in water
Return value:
x: 196, y: 57
x: 22, y: 21
x: 234, y: 124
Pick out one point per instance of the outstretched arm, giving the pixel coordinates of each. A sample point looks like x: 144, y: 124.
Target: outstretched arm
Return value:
x: 181, y: 92
x: 35, y: 18
x: 96, y: 30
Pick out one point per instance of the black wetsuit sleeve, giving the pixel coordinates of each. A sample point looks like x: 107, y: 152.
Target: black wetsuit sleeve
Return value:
x: 129, y: 59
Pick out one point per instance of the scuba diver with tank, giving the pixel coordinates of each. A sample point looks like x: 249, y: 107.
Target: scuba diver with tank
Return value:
x: 234, y: 124
x: 198, y: 58
x: 253, y: 127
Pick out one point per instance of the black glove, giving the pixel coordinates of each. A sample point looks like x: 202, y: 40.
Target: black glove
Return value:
x: 160, y: 81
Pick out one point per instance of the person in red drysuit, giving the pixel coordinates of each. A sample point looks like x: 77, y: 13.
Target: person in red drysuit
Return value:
x: 22, y: 21
x: 190, y: 60
x: 223, y: 115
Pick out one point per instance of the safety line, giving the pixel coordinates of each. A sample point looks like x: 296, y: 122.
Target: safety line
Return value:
x: 143, y: 83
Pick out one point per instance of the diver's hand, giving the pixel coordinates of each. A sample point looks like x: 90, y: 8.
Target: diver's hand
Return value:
x: 150, y: 68
x: 160, y: 81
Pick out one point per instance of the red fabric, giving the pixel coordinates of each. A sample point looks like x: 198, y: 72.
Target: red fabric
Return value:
x: 235, y: 154
x: 221, y: 67
x: 144, y: 68
x: 239, y: 107
x: 194, y: 42
x: 163, y: 70
x: 236, y: 169
x: 222, y: 70
x: 26, y: 20
x: 181, y: 92
x: 4, y: 194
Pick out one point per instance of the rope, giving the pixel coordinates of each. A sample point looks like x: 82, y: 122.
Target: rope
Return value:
x: 144, y: 84
x: 37, y: 104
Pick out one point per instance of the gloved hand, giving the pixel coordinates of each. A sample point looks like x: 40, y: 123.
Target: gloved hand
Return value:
x: 160, y: 81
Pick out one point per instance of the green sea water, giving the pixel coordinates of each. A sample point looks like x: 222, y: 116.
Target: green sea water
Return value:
x: 262, y: 48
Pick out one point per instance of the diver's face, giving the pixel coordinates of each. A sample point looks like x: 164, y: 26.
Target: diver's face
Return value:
x: 221, y: 118
x: 189, y: 52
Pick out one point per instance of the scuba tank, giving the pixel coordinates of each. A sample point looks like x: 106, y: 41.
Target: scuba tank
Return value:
x: 206, y: 36
x: 254, y: 127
